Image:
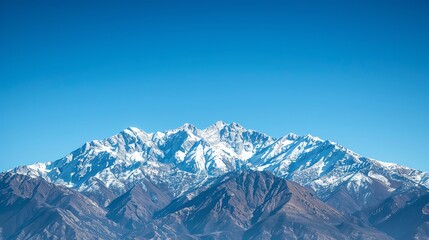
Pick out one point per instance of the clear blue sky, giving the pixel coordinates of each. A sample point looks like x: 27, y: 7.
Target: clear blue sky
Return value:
x: 355, y: 72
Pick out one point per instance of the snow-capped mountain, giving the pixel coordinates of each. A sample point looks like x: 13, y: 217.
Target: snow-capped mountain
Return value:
x: 188, y: 158
x: 220, y: 182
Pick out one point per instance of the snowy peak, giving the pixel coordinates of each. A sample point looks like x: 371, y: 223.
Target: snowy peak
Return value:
x: 134, y: 173
x: 186, y: 158
x: 187, y: 127
x: 217, y: 126
x: 133, y: 131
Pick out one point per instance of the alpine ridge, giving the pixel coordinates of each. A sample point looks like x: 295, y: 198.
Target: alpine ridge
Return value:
x: 138, y: 179
x: 186, y: 158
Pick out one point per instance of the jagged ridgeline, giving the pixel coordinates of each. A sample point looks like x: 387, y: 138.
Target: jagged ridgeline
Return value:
x: 224, y: 181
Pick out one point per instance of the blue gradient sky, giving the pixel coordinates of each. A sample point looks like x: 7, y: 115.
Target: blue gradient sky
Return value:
x: 355, y: 72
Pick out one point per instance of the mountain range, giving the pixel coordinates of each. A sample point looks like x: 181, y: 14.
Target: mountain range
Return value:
x: 222, y: 182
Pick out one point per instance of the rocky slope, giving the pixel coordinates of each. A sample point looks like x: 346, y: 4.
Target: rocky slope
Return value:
x: 35, y: 209
x: 258, y: 205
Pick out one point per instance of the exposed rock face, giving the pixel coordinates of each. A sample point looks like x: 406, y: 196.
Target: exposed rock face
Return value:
x: 136, y: 207
x: 248, y: 205
x: 258, y: 205
x: 35, y: 209
x: 409, y: 222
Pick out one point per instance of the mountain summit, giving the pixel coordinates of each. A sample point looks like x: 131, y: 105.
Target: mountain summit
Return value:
x: 187, y: 158
x: 154, y: 185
